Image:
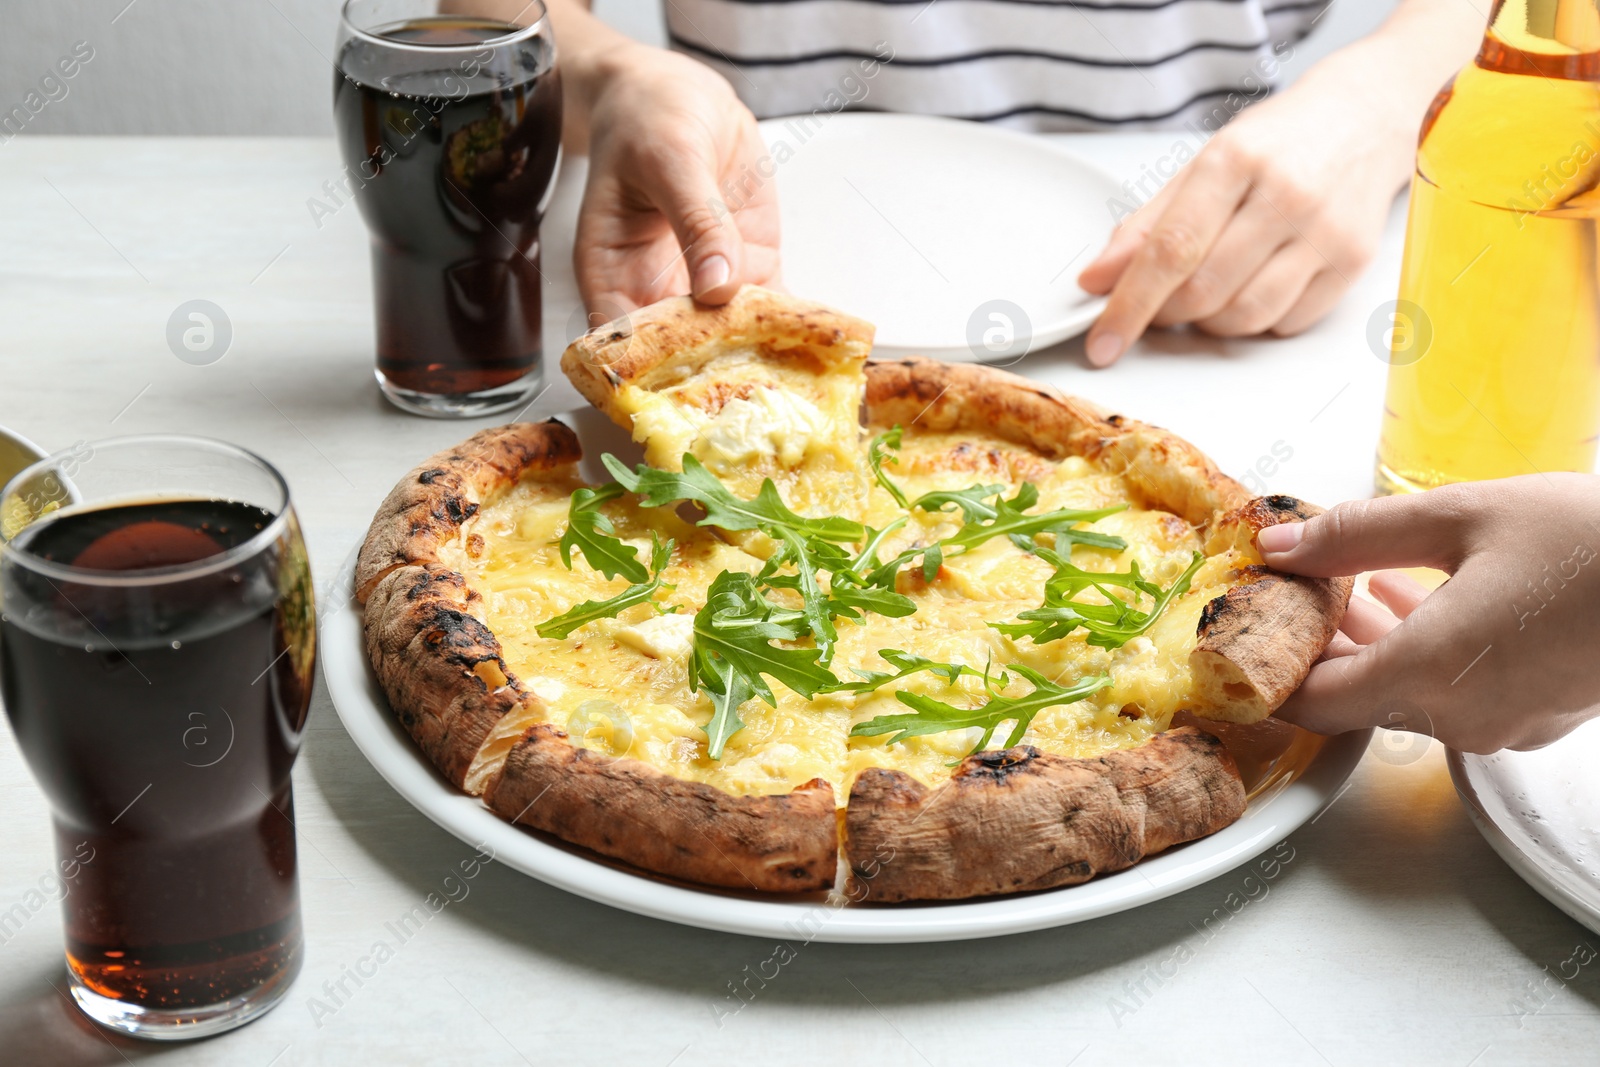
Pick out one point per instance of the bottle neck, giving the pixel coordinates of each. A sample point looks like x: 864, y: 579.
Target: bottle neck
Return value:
x: 1548, y: 38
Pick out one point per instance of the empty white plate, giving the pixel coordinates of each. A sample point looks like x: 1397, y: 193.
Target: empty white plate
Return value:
x: 959, y: 240
x: 1541, y: 812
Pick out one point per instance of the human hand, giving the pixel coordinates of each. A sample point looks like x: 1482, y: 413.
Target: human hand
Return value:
x: 1264, y: 230
x: 1503, y: 655
x: 667, y: 134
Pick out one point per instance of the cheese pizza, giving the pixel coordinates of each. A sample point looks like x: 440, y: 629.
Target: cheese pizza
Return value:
x: 921, y: 627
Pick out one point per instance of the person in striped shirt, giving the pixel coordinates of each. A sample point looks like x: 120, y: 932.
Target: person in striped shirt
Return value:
x: 1261, y: 232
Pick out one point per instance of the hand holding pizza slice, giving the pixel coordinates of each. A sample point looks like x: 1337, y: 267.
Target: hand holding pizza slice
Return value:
x: 1489, y: 659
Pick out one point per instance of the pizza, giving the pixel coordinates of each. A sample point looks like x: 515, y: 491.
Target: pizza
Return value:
x: 904, y: 629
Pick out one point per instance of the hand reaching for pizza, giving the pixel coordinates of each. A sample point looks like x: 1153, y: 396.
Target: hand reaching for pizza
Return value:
x: 1500, y: 656
x: 675, y: 201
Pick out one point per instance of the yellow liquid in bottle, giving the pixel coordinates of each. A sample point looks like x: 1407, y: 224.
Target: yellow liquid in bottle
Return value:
x: 1501, y: 264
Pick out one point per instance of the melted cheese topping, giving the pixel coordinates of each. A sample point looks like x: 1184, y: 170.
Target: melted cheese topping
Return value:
x: 749, y: 416
x: 621, y: 685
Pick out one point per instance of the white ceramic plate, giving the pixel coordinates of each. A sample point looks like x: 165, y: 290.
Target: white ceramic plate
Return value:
x: 929, y: 227
x: 16, y: 452
x: 1300, y: 784
x: 1541, y: 812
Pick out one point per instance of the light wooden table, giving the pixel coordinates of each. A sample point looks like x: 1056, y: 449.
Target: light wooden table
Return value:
x: 1392, y: 935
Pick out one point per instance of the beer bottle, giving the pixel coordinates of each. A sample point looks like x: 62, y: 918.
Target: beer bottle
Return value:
x: 1494, y: 342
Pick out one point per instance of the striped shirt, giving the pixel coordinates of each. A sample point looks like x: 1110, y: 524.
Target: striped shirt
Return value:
x: 1034, y: 64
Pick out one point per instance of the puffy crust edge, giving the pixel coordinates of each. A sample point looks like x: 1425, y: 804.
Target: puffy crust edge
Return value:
x: 676, y: 336
x: 426, y: 508
x: 438, y: 664
x: 1019, y: 820
x: 1260, y: 638
x: 950, y: 397
x: 628, y: 810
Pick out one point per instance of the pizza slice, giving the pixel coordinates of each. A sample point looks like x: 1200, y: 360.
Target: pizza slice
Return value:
x: 766, y: 386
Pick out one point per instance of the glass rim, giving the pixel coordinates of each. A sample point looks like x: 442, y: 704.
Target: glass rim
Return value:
x: 252, y: 546
x: 521, y: 33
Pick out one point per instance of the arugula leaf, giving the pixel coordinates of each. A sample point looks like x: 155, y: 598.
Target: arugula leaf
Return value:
x: 819, y: 619
x: 1071, y: 536
x: 1067, y: 536
x: 887, y: 575
x: 848, y: 600
x: 767, y: 512
x: 908, y: 664
x: 732, y: 651
x: 859, y: 585
x: 876, y: 459
x: 849, y: 592
x: 1011, y: 519
x: 867, y: 558
x: 590, y: 532
x: 1110, y: 625
x: 973, y: 501
x: 930, y: 716
x: 809, y: 545
x: 728, y: 690
x: 1006, y: 518
x: 561, y: 625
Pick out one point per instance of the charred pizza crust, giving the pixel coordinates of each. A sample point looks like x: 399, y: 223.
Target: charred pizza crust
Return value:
x: 689, y: 830
x: 1007, y: 821
x: 1077, y: 817
x: 426, y: 508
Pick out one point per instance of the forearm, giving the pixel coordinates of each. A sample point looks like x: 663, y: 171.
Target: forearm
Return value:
x: 588, y: 52
x: 1393, y: 74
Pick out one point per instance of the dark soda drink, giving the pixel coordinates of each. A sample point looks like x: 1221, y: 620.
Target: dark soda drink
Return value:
x: 157, y: 673
x: 450, y: 128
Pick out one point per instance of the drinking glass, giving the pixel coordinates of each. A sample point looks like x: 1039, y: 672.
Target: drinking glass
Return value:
x: 157, y: 645
x: 449, y: 120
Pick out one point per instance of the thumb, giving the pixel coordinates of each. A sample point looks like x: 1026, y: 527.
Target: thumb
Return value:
x: 706, y: 228
x: 1429, y: 529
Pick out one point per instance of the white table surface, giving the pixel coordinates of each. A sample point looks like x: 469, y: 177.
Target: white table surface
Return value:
x: 1393, y: 935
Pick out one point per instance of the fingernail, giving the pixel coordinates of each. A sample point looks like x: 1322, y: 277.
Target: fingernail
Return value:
x: 713, y: 272
x: 1104, y: 348
x: 1282, y: 537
